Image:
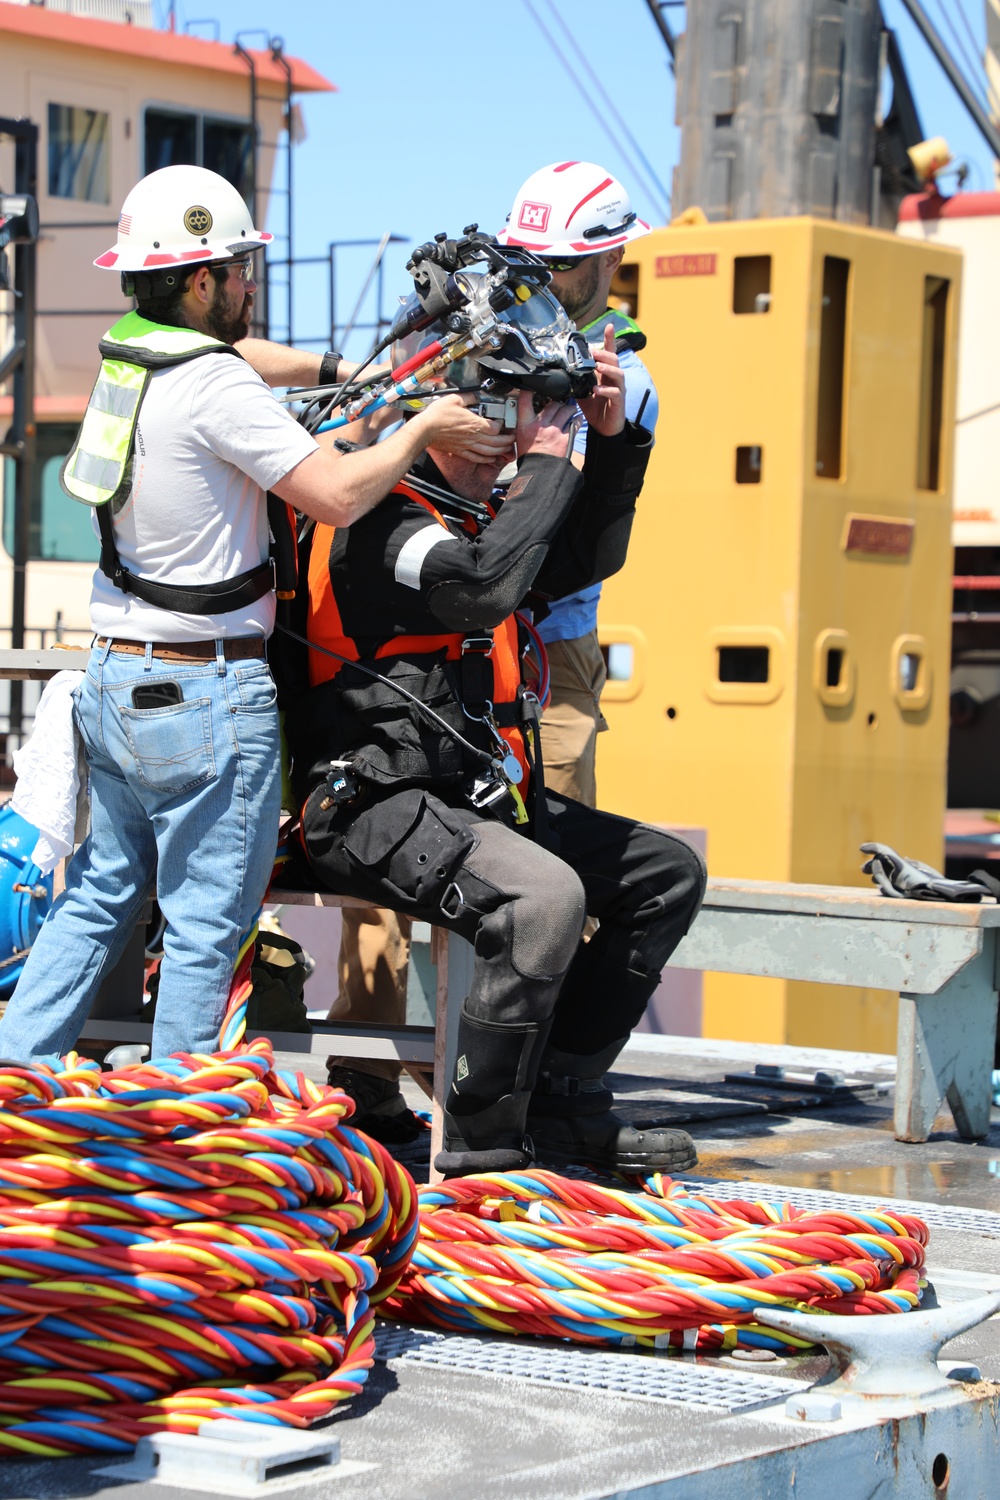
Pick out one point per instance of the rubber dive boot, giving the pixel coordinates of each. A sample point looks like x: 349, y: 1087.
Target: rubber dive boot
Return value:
x: 571, y: 1122
x: 380, y: 1109
x: 488, y: 1099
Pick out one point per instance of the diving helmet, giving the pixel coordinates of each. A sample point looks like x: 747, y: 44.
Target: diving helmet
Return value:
x: 528, y: 343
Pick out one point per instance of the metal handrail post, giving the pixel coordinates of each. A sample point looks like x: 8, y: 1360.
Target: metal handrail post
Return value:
x: 241, y: 51
x: 278, y: 56
x: 22, y: 444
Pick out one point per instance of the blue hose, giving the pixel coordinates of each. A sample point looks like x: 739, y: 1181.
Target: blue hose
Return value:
x: 346, y: 421
x: 22, y: 911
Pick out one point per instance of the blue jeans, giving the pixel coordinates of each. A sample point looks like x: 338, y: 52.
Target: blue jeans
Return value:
x: 185, y: 796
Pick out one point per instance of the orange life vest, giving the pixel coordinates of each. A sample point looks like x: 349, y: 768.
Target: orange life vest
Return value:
x: 326, y: 628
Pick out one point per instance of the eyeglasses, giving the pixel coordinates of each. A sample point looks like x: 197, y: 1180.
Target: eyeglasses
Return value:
x: 567, y: 263
x: 243, y: 266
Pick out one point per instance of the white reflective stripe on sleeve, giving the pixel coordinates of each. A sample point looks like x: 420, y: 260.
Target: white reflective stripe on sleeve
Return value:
x: 412, y: 553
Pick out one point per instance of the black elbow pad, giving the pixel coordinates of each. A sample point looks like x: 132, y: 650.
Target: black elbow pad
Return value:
x: 474, y: 604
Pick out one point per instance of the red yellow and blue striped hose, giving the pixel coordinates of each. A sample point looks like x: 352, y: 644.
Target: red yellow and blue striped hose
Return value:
x: 669, y: 1267
x: 184, y: 1240
x: 234, y: 1023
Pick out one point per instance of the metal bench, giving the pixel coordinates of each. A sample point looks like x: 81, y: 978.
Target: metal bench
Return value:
x: 940, y: 958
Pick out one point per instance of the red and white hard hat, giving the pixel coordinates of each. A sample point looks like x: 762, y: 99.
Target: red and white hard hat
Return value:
x: 181, y: 215
x: 571, y: 208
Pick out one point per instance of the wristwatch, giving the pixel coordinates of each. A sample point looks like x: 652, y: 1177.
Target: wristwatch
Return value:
x: 329, y: 365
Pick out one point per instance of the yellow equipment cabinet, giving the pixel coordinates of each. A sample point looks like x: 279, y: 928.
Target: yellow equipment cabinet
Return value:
x: 779, y: 637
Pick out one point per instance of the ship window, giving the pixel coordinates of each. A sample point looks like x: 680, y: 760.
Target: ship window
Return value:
x: 832, y: 365
x: 60, y: 529
x: 620, y: 658
x: 625, y: 289
x: 227, y: 149
x: 177, y: 137
x: 171, y: 139
x: 78, y: 154
x: 752, y: 284
x: 749, y: 464
x: 744, y: 663
x: 932, y: 371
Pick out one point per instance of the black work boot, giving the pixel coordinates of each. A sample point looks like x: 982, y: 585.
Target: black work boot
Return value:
x: 571, y: 1122
x: 488, y: 1099
x: 380, y: 1109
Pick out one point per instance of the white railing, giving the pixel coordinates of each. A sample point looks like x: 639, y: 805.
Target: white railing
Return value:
x: 128, y: 12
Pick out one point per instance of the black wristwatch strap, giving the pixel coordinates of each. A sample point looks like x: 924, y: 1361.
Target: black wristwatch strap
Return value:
x: 329, y: 365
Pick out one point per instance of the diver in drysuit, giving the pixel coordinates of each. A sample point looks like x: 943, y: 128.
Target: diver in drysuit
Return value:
x: 433, y: 802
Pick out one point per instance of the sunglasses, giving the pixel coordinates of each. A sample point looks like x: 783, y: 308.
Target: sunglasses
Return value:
x: 567, y: 263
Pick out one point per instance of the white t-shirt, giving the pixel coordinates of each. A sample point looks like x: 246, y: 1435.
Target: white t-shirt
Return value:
x: 210, y: 441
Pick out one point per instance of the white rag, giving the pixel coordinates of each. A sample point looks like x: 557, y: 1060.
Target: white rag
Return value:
x: 51, y: 770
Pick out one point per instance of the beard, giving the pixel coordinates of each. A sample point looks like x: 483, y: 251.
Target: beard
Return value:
x: 228, y: 317
x: 471, y: 481
x: 576, y: 299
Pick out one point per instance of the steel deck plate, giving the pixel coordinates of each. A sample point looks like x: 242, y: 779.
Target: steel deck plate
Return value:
x: 936, y: 1215
x: 645, y: 1377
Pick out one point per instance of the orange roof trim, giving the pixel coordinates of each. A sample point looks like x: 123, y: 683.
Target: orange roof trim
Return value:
x: 49, y: 408
x: 158, y: 46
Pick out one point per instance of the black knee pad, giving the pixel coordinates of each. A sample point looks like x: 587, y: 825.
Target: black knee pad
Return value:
x: 545, y: 906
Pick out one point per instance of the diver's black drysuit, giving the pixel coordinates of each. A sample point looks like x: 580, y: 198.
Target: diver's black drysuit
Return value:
x: 414, y: 590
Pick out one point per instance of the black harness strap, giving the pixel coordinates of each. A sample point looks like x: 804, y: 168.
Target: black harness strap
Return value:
x: 478, y: 682
x: 189, y: 599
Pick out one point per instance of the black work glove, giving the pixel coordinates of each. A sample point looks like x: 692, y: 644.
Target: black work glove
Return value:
x: 897, y: 876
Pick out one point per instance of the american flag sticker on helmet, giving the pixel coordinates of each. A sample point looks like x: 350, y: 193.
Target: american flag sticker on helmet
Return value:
x: 125, y: 224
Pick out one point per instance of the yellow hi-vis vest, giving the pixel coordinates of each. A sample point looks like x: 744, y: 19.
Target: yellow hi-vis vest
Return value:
x: 628, y: 334
x: 98, y: 470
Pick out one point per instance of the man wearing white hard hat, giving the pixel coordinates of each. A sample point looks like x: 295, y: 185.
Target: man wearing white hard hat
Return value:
x: 578, y: 218
x: 180, y: 443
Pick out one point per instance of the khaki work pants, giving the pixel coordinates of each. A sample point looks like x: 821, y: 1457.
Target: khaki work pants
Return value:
x: 573, y: 719
x: 375, y: 943
x: 374, y: 964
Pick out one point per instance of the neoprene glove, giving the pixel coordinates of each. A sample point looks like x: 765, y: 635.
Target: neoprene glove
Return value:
x: 897, y: 876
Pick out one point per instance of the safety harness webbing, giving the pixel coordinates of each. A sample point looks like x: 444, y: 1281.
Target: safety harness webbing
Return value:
x: 98, y: 470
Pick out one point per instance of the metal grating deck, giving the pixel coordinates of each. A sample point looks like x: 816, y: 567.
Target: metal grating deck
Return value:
x: 936, y: 1215
x: 674, y: 1381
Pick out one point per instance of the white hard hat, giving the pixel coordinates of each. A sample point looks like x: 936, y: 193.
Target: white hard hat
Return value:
x: 571, y: 208
x: 181, y: 215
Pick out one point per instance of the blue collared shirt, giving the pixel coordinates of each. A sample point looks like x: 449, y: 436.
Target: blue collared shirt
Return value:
x: 576, y: 615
